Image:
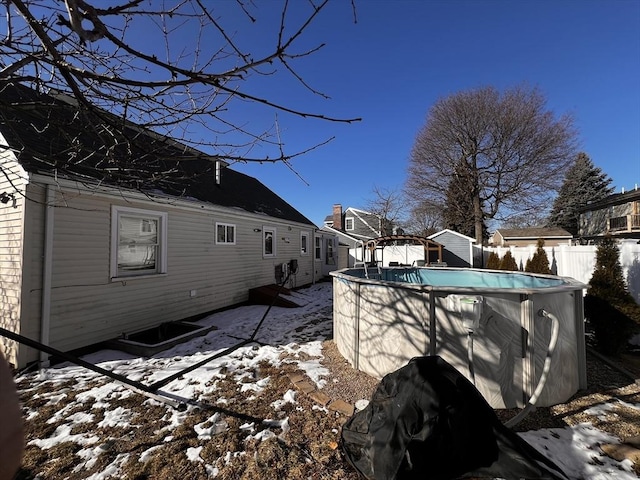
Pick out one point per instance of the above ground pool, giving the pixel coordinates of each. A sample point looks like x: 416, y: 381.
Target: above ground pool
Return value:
x: 495, y: 327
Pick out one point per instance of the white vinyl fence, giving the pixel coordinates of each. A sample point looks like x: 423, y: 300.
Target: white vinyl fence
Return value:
x: 565, y: 260
x: 579, y: 261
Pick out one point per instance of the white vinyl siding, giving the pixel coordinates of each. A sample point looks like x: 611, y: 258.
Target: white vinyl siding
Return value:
x: 138, y: 242
x: 12, y: 237
x: 89, y: 306
x: 225, y: 234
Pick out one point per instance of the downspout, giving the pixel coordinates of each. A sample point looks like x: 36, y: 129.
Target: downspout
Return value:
x: 356, y: 333
x: 47, y: 268
x: 312, y: 254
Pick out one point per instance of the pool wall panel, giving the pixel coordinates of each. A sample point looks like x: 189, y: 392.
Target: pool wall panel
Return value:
x: 380, y: 325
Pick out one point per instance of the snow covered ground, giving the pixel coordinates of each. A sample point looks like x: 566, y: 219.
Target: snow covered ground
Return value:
x: 298, y: 333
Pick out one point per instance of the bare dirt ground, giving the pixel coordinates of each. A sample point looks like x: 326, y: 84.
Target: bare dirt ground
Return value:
x: 308, y: 450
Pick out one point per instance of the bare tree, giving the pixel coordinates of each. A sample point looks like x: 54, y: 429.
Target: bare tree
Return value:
x: 174, y: 66
x: 388, y: 204
x: 514, y: 150
x: 424, y: 218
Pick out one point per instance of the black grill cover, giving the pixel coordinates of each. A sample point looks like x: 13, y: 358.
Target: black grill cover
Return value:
x: 427, y: 421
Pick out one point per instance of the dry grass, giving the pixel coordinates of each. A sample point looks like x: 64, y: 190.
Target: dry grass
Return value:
x: 308, y: 450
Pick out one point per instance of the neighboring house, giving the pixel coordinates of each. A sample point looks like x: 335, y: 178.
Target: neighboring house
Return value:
x: 84, y: 259
x: 352, y: 227
x: 457, y: 248
x: 617, y: 215
x: 522, y: 237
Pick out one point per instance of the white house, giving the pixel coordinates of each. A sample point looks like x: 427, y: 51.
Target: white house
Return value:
x: 98, y: 240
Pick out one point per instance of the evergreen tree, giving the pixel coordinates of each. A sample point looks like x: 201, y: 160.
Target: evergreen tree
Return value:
x: 493, y: 262
x: 607, y: 280
x: 609, y: 307
x: 539, y: 262
x: 457, y: 214
x: 583, y: 183
x: 508, y: 263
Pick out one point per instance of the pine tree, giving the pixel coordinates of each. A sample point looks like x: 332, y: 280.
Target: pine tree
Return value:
x: 457, y: 214
x: 539, y: 262
x: 583, y: 183
x: 493, y: 262
x: 607, y: 280
x: 609, y: 307
x: 508, y: 262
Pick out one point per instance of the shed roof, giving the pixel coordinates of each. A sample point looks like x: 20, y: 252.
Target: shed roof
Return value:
x: 54, y: 137
x: 452, y: 232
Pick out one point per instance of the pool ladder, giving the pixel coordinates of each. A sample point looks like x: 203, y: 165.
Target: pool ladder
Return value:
x: 371, y: 275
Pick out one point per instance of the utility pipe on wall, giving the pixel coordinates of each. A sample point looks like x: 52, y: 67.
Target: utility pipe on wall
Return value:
x: 531, y: 403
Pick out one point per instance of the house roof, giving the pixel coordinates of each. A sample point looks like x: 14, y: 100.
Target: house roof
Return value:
x: 53, y: 137
x: 534, y: 232
x: 614, y: 199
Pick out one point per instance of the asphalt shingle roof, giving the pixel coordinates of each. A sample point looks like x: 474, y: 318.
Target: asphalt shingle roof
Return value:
x: 54, y: 137
x: 534, y: 232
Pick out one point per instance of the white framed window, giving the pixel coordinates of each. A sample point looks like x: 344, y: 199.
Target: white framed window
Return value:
x: 138, y: 242
x: 268, y: 242
x: 225, y: 234
x: 348, y: 223
x: 304, y: 243
x: 318, y: 249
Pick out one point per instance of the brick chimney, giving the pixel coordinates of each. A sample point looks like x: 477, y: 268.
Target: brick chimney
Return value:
x: 337, y: 216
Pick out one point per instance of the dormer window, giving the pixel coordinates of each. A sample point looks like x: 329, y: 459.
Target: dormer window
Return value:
x: 348, y: 223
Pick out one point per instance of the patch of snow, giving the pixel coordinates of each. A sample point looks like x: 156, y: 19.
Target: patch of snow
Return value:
x: 119, y: 417
x: 256, y: 386
x: 601, y: 411
x: 288, y: 397
x: 215, y: 425
x: 193, y: 454
x: 63, y: 434
x: 146, y: 455
x: 229, y: 456
x: 576, y: 450
x: 315, y: 371
x: 112, y: 470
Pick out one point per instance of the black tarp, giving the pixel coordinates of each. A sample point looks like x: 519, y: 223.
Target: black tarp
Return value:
x: 427, y: 421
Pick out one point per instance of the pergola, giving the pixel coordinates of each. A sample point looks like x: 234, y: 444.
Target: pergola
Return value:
x: 428, y: 244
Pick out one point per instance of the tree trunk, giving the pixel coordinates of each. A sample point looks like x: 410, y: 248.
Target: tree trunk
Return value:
x: 477, y: 217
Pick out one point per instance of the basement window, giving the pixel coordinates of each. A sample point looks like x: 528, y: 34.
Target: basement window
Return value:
x: 138, y: 242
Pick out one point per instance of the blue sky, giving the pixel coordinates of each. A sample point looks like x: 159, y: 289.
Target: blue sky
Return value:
x: 401, y: 56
